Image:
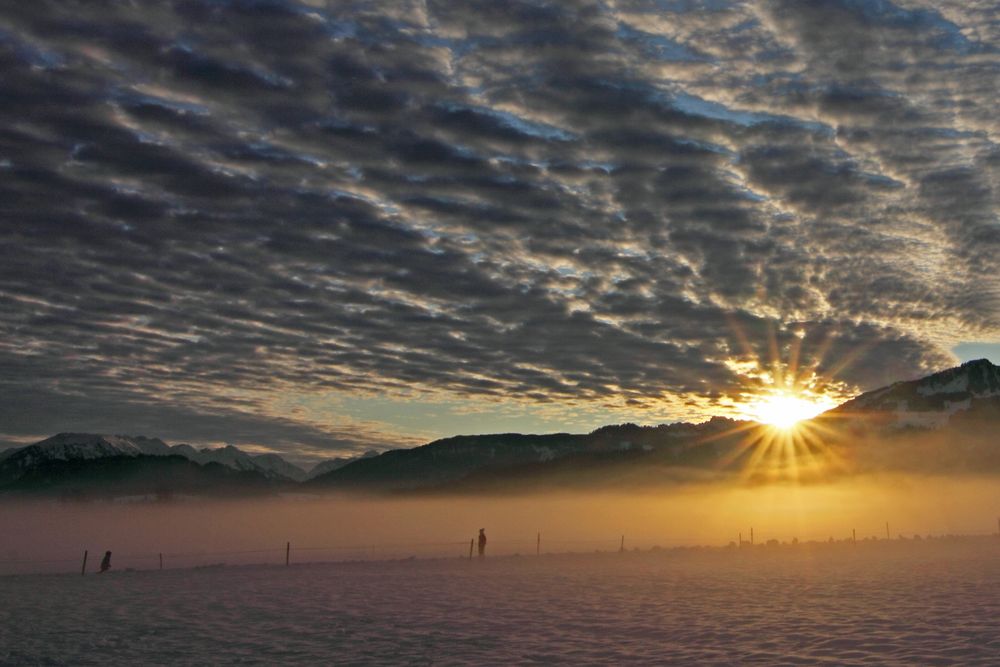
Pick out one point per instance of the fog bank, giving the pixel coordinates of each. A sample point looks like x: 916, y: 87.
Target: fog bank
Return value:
x: 52, y: 536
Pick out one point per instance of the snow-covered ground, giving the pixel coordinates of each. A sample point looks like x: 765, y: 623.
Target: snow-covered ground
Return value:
x: 899, y: 602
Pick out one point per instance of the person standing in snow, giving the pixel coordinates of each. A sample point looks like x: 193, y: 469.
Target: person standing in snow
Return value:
x: 106, y: 562
x: 482, y: 542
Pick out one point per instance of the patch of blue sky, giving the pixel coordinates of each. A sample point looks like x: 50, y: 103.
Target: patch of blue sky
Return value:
x: 125, y: 189
x: 595, y: 165
x: 262, y: 74
x: 658, y: 47
x: 567, y: 292
x: 335, y: 28
x: 504, y: 179
x: 512, y: 121
x: 521, y: 161
x: 682, y: 6
x: 746, y: 193
x: 267, y: 150
x: 32, y: 54
x: 776, y: 54
x: 568, y: 271
x: 443, y: 418
x: 429, y: 233
x: 620, y: 278
x: 946, y: 35
x: 948, y: 132
x: 466, y: 152
x: 790, y: 81
x: 573, y: 272
x: 276, y: 80
x: 882, y: 180
x: 182, y: 44
x: 632, y: 252
x: 334, y: 123
x: 130, y: 95
x: 457, y: 202
x: 705, y: 145
x: 973, y: 351
x: 697, y: 106
x: 458, y: 47
x: 388, y: 207
x: 743, y: 26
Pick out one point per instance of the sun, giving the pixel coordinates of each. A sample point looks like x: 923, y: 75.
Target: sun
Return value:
x: 783, y: 410
x: 776, y: 435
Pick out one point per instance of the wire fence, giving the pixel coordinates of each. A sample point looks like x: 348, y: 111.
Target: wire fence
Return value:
x: 87, y: 561
x: 289, y: 553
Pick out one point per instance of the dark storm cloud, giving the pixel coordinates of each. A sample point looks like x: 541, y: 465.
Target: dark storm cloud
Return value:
x: 205, y: 204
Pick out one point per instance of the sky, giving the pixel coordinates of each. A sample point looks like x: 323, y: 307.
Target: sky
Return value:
x: 317, y: 228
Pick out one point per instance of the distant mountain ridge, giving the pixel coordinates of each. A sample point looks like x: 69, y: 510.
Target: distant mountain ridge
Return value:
x: 948, y: 417
x: 89, y: 446
x: 19, y: 461
x: 449, y: 460
x: 330, y: 465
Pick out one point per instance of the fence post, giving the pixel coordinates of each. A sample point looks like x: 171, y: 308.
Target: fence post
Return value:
x: 83, y: 570
x: 161, y: 561
x: 471, y: 542
x: 288, y: 549
x: 887, y: 531
x: 621, y: 549
x: 854, y: 535
x: 538, y: 545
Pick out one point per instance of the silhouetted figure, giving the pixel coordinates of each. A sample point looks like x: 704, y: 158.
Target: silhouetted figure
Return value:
x: 482, y: 542
x: 106, y: 562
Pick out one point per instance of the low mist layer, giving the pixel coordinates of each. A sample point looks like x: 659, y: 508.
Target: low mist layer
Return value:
x: 52, y: 536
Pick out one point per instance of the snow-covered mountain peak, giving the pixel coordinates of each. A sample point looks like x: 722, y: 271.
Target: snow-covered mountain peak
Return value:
x: 980, y: 378
x: 86, y: 446
x: 273, y: 463
x: 932, y: 401
x: 230, y: 455
x: 65, y: 446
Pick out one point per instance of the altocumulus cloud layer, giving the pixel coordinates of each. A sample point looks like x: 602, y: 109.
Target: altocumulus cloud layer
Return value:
x: 217, y: 215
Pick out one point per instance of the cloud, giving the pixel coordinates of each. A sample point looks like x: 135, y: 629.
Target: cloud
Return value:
x: 208, y: 206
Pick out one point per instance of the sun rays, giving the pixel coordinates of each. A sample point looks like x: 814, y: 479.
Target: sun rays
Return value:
x: 780, y: 437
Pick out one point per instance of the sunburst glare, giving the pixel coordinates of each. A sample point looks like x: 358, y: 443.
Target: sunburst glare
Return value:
x: 784, y: 410
x: 780, y: 439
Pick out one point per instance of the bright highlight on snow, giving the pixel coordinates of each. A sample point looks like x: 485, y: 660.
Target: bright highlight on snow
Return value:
x: 785, y: 410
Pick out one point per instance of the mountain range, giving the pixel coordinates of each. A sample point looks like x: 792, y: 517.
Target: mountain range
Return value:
x: 81, y: 447
x: 948, y: 421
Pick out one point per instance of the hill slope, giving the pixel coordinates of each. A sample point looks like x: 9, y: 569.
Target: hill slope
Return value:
x: 443, y: 463
x: 929, y: 402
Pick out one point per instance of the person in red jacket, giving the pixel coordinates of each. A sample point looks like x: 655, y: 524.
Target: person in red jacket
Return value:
x: 482, y: 542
